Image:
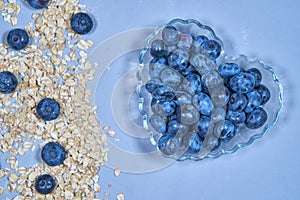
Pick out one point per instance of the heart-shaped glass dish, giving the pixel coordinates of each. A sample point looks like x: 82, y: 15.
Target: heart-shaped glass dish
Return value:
x: 180, y: 145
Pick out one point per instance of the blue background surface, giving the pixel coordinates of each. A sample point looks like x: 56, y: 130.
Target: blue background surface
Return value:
x: 270, y: 168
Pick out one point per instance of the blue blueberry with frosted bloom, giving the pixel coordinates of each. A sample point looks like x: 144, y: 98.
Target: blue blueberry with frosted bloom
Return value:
x: 38, y: 4
x: 170, y: 35
x: 227, y: 70
x: 203, y: 125
x: 256, y: 118
x: 159, y: 123
x: 242, y: 83
x: 193, y: 143
x: 212, y: 47
x: 192, y: 84
x: 53, y: 154
x: 264, y: 93
x: 163, y: 108
x: 237, y: 102
x: 17, y: 39
x: 198, y: 41
x: 48, y: 109
x: 203, y: 103
x: 156, y: 65
x: 257, y: 75
x: 81, y: 23
x: 158, y: 49
x: 254, y: 100
x: 177, y: 60
x: 185, y: 41
x: 45, y: 184
x: 170, y: 77
x: 228, y: 131
x: 8, y: 82
x: 163, y: 92
x: 236, y: 117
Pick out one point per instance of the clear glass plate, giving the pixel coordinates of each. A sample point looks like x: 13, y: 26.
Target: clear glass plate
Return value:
x: 245, y: 136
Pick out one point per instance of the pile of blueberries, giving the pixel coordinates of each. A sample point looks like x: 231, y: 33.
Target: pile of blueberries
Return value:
x: 181, y: 102
x: 48, y: 109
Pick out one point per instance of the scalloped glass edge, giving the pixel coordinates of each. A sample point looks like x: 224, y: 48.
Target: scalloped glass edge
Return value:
x: 213, y: 35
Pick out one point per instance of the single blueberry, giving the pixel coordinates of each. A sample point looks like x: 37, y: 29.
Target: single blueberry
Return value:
x: 163, y: 108
x: 203, y: 103
x: 177, y: 61
x: 256, y: 118
x: 81, y: 23
x: 198, y: 41
x: 156, y: 65
x: 185, y: 41
x: 236, y: 117
x: 193, y: 142
x: 227, y: 70
x: 243, y: 82
x: 257, y: 75
x: 17, y: 39
x: 8, y: 82
x: 173, y: 126
x: 170, y: 77
x: 254, y: 100
x: 158, y: 123
x: 192, y: 84
x: 203, y: 125
x: 264, y: 92
x: 227, y: 132
x: 212, y: 47
x: 53, y: 154
x: 237, y: 102
x: 163, y: 93
x: 168, y: 144
x: 38, y: 4
x: 158, y: 49
x: 151, y: 85
x: 170, y: 35
x: 48, y: 109
x: 45, y: 184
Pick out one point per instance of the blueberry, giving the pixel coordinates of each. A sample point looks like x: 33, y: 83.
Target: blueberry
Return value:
x: 8, y: 82
x: 158, y: 123
x: 193, y: 142
x: 203, y: 103
x: 177, y: 60
x: 17, y: 39
x: 45, y: 184
x: 163, y: 93
x: 192, y: 84
x: 254, y: 101
x: 236, y: 117
x: 168, y: 144
x: 48, y: 109
x: 229, y: 69
x: 38, y: 4
x: 151, y: 85
x: 243, y: 82
x: 257, y: 75
x: 163, y: 108
x: 53, y: 154
x: 173, y: 126
x: 264, y: 92
x: 158, y: 49
x: 237, y: 102
x: 203, y: 125
x: 81, y: 23
x: 228, y: 131
x: 212, y: 47
x: 185, y: 41
x: 198, y: 41
x: 156, y: 66
x: 170, y: 77
x: 170, y: 35
x: 256, y: 118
